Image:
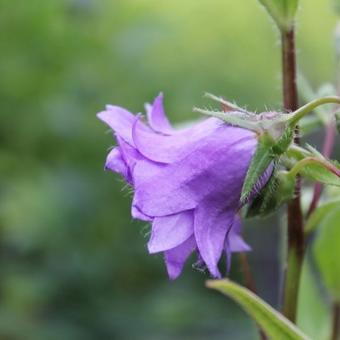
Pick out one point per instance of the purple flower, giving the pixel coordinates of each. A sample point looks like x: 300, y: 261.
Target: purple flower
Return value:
x: 187, y: 182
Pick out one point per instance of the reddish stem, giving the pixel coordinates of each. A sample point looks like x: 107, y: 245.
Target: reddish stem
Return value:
x: 295, y: 218
x: 249, y: 282
x: 336, y: 322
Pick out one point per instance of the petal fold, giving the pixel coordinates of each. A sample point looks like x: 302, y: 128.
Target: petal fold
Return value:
x: 176, y: 257
x: 172, y: 148
x: 119, y: 120
x: 115, y: 162
x: 211, y: 226
x: 170, y: 231
x: 235, y: 240
x: 157, y: 118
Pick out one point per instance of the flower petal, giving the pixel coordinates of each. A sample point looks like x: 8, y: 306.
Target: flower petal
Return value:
x: 169, y: 149
x: 157, y: 118
x: 211, y: 226
x: 115, y: 162
x: 235, y: 241
x: 214, y: 170
x: 176, y: 257
x: 137, y: 214
x: 120, y: 121
x: 130, y: 156
x: 170, y: 231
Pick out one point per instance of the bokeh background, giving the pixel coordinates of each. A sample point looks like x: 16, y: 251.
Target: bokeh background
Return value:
x: 73, y: 264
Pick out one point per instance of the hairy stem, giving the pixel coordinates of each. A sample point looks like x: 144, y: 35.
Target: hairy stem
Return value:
x: 309, y: 107
x: 312, y: 160
x: 336, y: 322
x: 295, y: 219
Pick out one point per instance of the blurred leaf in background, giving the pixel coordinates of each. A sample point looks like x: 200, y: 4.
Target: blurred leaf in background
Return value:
x: 73, y: 264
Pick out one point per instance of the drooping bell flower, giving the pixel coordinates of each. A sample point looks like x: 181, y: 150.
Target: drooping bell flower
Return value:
x: 187, y: 183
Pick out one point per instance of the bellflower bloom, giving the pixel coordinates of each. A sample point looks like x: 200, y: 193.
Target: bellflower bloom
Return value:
x: 187, y: 182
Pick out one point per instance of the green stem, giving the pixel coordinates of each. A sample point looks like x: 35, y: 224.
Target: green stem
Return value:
x: 294, y: 212
x: 297, y: 152
x: 302, y: 111
x: 292, y: 282
x: 312, y: 160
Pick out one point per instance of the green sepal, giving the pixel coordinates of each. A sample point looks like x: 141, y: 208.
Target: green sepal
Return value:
x: 278, y: 190
x: 282, y: 11
x: 262, y: 158
x: 274, y: 324
x: 284, y: 141
x: 273, y: 123
x: 234, y: 118
x: 326, y: 252
x: 267, y: 151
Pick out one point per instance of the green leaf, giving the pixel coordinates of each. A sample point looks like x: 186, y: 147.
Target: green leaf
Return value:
x: 274, y: 324
x: 336, y: 5
x: 326, y: 252
x: 319, y: 173
x: 337, y: 120
x: 261, y: 160
x: 319, y: 213
x: 278, y: 190
x: 282, y: 11
x: 318, y: 169
x: 313, y: 316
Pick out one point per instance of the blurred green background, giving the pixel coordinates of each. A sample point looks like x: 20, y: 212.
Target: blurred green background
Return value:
x: 73, y: 264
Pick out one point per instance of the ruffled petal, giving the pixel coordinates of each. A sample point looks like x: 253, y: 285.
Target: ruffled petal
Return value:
x: 130, y: 156
x: 214, y: 170
x: 157, y: 118
x: 173, y: 148
x: 145, y: 171
x: 176, y: 257
x: 170, y: 231
x: 137, y: 214
x: 115, y: 162
x: 211, y: 226
x: 119, y: 120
